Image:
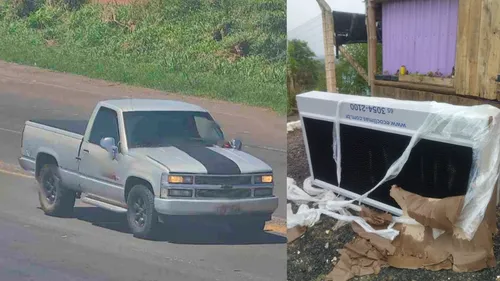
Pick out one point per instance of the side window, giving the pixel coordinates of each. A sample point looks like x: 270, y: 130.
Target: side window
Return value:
x: 105, y: 125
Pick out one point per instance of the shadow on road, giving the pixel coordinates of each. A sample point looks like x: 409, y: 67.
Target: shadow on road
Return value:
x: 194, y: 232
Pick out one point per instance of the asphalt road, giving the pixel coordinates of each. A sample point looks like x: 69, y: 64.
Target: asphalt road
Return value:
x: 95, y: 244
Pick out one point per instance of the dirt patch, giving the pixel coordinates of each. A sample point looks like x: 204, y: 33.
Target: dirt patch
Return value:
x: 313, y: 255
x: 297, y: 167
x: 310, y: 259
x: 292, y: 117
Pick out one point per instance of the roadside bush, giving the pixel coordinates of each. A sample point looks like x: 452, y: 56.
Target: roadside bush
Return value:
x: 45, y: 17
x: 24, y: 8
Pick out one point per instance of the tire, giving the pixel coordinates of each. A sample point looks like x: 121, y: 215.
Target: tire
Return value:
x: 55, y: 199
x: 141, y: 214
x: 248, y: 226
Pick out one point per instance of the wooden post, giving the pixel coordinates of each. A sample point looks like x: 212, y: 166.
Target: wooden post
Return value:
x: 329, y: 42
x: 372, y: 41
x: 361, y: 71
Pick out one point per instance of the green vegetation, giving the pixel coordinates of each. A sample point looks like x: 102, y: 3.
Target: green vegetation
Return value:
x: 232, y: 50
x: 320, y: 277
x: 348, y: 79
x: 305, y: 73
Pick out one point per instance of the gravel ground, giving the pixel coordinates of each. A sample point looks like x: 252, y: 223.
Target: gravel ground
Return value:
x: 312, y: 257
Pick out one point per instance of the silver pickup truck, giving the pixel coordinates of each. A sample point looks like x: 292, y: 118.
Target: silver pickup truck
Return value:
x: 151, y: 159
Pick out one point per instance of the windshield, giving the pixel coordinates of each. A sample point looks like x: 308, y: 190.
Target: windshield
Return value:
x: 165, y: 128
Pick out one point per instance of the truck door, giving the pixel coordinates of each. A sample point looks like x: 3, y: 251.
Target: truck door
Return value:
x: 100, y: 174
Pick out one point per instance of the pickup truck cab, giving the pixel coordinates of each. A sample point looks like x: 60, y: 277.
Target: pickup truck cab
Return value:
x: 152, y: 159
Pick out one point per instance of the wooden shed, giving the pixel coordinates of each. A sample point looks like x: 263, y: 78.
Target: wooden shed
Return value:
x: 451, y: 49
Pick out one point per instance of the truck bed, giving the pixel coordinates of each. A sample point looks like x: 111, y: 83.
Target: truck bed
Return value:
x: 63, y: 137
x: 73, y: 126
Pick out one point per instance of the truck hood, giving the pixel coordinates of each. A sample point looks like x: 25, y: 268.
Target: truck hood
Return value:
x: 200, y: 159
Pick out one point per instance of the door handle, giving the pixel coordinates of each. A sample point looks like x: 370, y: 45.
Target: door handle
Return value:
x: 86, y: 150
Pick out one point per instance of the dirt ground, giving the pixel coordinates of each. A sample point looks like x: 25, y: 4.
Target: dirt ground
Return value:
x: 263, y: 127
x: 312, y: 257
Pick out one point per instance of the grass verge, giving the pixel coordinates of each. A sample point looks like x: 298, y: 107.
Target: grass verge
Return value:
x: 227, y: 50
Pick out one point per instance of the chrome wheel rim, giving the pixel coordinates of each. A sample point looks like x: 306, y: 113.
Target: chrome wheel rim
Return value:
x: 139, y: 212
x: 49, y: 185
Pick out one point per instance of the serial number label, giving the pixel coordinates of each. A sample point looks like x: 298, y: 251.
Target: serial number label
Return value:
x: 371, y: 109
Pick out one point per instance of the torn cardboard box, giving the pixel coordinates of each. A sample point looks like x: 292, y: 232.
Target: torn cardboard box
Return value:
x: 416, y: 246
x: 295, y: 232
x: 377, y: 220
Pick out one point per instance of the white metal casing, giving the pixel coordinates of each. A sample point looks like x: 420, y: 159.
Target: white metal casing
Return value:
x: 383, y: 114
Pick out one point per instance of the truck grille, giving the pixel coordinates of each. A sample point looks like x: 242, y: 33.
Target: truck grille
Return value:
x: 223, y: 193
x: 224, y: 180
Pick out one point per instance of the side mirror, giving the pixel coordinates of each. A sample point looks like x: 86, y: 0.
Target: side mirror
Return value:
x: 109, y: 145
x: 236, y: 144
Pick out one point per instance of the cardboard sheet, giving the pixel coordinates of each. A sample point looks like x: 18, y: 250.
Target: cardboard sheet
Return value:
x: 435, y: 213
x: 377, y: 220
x: 294, y: 233
x: 416, y: 247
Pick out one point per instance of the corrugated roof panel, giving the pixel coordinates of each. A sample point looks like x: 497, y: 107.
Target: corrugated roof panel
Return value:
x: 420, y: 34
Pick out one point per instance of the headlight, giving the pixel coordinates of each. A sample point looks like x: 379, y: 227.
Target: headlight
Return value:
x: 175, y: 179
x: 180, y: 193
x: 263, y: 192
x: 168, y: 181
x: 165, y: 192
x: 263, y: 179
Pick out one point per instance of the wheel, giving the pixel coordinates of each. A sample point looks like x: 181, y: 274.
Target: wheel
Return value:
x: 141, y: 214
x: 247, y: 226
x: 55, y: 199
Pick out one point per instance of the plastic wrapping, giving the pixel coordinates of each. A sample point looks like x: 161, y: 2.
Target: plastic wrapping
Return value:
x: 292, y: 126
x: 478, y: 124
x: 306, y: 216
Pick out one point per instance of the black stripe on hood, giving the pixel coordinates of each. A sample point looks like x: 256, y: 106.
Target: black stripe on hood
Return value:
x: 214, y: 162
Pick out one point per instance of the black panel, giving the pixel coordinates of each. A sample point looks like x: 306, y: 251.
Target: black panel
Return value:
x: 74, y: 126
x: 350, y: 28
x: 434, y: 169
x: 320, y: 138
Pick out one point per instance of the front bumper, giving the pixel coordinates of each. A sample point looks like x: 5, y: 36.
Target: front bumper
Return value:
x: 218, y: 207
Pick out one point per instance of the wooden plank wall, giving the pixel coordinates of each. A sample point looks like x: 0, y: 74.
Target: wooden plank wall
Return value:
x: 405, y: 94
x: 477, y: 60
